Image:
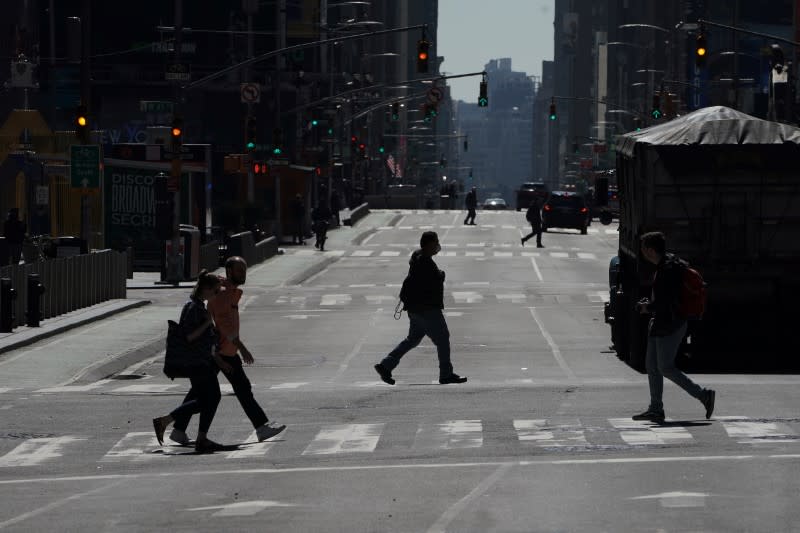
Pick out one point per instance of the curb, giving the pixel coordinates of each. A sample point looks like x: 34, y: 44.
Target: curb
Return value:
x: 13, y: 345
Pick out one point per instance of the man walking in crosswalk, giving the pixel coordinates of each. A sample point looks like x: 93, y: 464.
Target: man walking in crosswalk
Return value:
x: 423, y: 299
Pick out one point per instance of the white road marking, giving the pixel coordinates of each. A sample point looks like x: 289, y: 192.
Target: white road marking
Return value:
x: 559, y: 255
x: 513, y: 298
x: 299, y: 317
x: 359, y: 344
x: 242, y: 508
x: 612, y: 231
x: 677, y: 499
x: 447, y: 254
x: 598, y: 296
x: 334, y: 253
x: 536, y: 269
x: 476, y: 245
x: 361, y: 285
x: 290, y: 385
x: 361, y: 253
x: 225, y: 388
x: 553, y: 346
x: 546, y: 434
x: 476, y: 283
x: 450, y: 435
x: 644, y: 433
x: 586, y: 255
x: 254, y: 449
x: 345, y: 438
x: 757, y: 432
x: 440, y: 526
x: 305, y: 252
x: 503, y: 254
x: 5, y: 389
x: 405, y: 227
x: 453, y: 313
x: 146, y: 389
x: 475, y: 254
x: 392, y: 253
x: 247, y: 301
x: 507, y: 226
x: 35, y: 451
x: 468, y: 297
x: 530, y: 254
x: 135, y: 446
x: 335, y: 299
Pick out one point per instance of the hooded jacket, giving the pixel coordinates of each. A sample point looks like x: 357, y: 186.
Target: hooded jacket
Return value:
x: 427, y: 284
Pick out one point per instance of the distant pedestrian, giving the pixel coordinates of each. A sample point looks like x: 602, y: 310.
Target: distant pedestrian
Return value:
x: 224, y: 310
x: 471, y: 202
x: 424, y: 303
x: 534, y: 218
x: 298, y: 220
x: 666, y: 329
x: 204, y: 394
x: 14, y: 232
x: 336, y: 207
x: 321, y: 217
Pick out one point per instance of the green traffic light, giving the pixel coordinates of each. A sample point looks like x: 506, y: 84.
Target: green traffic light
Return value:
x: 251, y: 145
x: 656, y: 113
x: 552, y: 117
x: 277, y: 151
x: 330, y: 131
x: 483, y: 102
x: 315, y: 122
x: 382, y: 149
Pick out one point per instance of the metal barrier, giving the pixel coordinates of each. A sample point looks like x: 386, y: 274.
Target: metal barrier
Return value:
x: 70, y: 283
x: 242, y: 244
x: 209, y: 256
x: 357, y: 214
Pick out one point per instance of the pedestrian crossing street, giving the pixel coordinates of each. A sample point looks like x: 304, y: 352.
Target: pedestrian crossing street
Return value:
x: 506, y: 252
x: 325, y: 440
x: 525, y: 228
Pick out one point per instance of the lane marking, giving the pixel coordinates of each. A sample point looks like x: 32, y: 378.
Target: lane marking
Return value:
x: 406, y: 466
x: 345, y: 438
x: 449, y: 435
x: 440, y: 526
x: 586, y: 255
x: 548, y: 435
x: 134, y: 446
x: 35, y: 451
x: 644, y: 433
x: 553, y: 346
x: 253, y: 448
x: 357, y: 348
x: 242, y: 508
x: 290, y: 385
x: 536, y: 269
x: 757, y: 432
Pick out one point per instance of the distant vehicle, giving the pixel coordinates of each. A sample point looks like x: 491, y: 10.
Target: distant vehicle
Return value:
x: 528, y: 191
x: 565, y: 209
x: 494, y: 203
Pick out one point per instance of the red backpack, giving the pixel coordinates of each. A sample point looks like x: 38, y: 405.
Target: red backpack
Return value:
x: 692, y: 299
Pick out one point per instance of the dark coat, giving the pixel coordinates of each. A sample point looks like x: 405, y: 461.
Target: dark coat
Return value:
x: 14, y: 231
x: 471, y: 200
x: 427, y: 283
x: 666, y: 295
x: 534, y: 215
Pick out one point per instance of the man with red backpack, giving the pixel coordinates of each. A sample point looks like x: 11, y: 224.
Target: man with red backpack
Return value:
x: 672, y: 295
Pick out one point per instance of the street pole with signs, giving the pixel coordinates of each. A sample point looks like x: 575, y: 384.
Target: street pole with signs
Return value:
x: 174, y: 270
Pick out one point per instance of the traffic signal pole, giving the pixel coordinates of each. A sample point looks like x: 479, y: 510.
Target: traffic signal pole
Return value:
x: 174, y: 270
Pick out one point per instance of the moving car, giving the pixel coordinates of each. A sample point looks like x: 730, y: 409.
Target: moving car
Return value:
x: 528, y: 191
x: 494, y: 203
x: 565, y: 209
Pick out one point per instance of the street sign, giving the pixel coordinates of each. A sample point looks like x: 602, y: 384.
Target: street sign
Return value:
x: 250, y: 92
x: 42, y: 195
x: 85, y: 167
x: 178, y: 72
x: 435, y: 95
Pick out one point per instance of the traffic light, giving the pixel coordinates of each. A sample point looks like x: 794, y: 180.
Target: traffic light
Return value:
x: 250, y: 134
x: 395, y: 112
x: 382, y: 147
x: 701, y: 49
x: 483, y: 98
x: 443, y: 161
x: 259, y: 167
x: 277, y: 141
x: 176, y: 134
x: 82, y: 123
x: 553, y: 114
x: 656, y: 112
x: 430, y: 112
x: 637, y: 124
x: 362, y: 150
x: 423, y: 47
x: 777, y: 60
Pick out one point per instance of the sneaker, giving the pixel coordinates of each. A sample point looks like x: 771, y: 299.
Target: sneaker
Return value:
x: 452, y: 378
x: 385, y: 374
x: 653, y: 416
x: 708, y: 402
x: 268, y: 430
x: 179, y: 436
x: 207, y: 446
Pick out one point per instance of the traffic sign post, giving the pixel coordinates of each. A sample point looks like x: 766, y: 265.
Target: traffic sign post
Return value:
x: 85, y: 167
x: 250, y: 93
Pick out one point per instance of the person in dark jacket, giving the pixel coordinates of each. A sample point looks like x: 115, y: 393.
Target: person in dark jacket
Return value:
x: 14, y: 232
x: 336, y: 207
x: 471, y: 203
x: 298, y: 216
x: 204, y: 395
x: 321, y: 216
x: 666, y: 330
x: 534, y: 218
x: 424, y: 305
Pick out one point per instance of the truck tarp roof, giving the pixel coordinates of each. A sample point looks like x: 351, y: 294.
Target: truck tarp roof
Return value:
x: 711, y: 126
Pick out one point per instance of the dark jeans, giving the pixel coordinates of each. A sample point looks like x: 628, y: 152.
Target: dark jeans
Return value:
x: 15, y: 252
x: 241, y: 388
x: 535, y: 231
x: 203, y: 398
x: 298, y: 231
x: 431, y: 323
x: 660, y: 361
x: 470, y: 216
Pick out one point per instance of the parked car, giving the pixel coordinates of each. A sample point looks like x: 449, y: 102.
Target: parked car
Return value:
x: 494, y: 203
x: 565, y: 209
x: 528, y: 191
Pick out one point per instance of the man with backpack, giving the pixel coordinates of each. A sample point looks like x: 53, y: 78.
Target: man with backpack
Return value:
x: 667, y: 327
x: 471, y: 202
x: 422, y: 296
x: 534, y: 218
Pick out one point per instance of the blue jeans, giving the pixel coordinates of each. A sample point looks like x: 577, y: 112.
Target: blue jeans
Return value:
x: 661, y: 353
x: 431, y: 323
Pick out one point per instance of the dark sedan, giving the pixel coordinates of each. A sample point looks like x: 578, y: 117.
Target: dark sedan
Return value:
x: 566, y: 210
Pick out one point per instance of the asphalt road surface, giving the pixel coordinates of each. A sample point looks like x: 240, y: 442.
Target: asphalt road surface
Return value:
x: 539, y: 439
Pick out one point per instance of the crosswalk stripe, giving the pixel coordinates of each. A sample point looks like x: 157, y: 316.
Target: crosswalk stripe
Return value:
x: 513, y: 298
x: 335, y: 299
x: 503, y: 254
x: 133, y: 446
x: 475, y: 254
x: 469, y: 297
x: 361, y: 253
x: 559, y: 255
x: 392, y: 253
x: 290, y: 385
x: 345, y: 438
x: 146, y: 388
x: 586, y: 255
x: 450, y: 435
x: 598, y: 297
x: 35, y: 451
x: 757, y: 432
x: 611, y: 231
x: 643, y: 433
x: 76, y: 388
x: 543, y: 433
x: 252, y: 449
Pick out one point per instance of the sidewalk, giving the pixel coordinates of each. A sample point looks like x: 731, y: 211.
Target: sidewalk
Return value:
x: 115, y: 344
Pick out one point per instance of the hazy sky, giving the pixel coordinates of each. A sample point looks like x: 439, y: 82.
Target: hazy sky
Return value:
x: 471, y: 32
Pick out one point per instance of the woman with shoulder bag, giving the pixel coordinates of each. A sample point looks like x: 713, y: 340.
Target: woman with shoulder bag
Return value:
x: 204, y: 396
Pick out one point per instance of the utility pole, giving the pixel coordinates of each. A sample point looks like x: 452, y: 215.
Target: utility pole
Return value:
x: 86, y: 97
x: 250, y: 8
x: 174, y: 270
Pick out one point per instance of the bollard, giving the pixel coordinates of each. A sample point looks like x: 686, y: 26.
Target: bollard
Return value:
x: 7, y: 296
x: 35, y: 291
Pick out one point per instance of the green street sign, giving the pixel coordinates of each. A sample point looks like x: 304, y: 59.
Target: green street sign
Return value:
x: 85, y: 166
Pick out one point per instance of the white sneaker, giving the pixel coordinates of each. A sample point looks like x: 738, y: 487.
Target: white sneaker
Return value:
x: 268, y: 430
x: 179, y: 436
